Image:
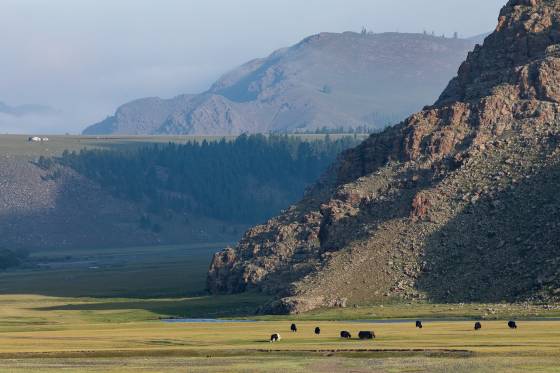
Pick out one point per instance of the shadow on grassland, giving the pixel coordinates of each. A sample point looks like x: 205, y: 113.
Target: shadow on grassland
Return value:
x: 239, y: 305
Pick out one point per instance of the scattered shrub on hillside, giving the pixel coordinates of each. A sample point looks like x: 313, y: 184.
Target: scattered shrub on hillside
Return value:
x: 45, y: 162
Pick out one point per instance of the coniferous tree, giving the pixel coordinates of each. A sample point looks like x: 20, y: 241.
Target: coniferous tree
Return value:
x: 246, y: 180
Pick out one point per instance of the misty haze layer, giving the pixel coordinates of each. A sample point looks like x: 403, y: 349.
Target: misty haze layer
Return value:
x: 333, y: 82
x: 86, y: 58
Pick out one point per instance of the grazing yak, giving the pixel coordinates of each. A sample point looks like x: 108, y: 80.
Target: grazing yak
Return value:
x: 419, y: 324
x: 477, y: 326
x: 317, y: 330
x: 512, y: 325
x: 275, y: 338
x: 293, y: 328
x: 366, y: 335
x: 345, y: 334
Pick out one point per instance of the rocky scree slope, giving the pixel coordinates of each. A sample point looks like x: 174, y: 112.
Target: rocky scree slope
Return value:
x: 457, y: 203
x: 328, y: 80
x: 52, y: 206
x: 44, y: 207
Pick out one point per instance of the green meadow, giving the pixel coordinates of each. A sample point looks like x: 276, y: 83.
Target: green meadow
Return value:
x: 121, y: 335
x: 102, y: 311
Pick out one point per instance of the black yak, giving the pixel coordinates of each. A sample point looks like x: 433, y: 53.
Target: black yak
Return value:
x: 345, y: 334
x: 293, y: 328
x: 366, y: 335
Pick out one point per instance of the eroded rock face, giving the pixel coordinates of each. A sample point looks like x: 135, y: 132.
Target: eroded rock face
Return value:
x: 296, y: 305
x: 418, y: 210
x: 220, y: 270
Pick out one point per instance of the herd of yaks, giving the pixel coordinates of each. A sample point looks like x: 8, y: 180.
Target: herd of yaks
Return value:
x: 370, y: 334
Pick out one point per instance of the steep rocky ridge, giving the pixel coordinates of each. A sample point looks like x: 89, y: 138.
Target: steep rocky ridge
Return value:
x: 140, y: 116
x: 456, y: 203
x: 327, y: 80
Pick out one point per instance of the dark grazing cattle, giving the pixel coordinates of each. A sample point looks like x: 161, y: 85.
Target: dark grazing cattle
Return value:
x: 317, y: 330
x: 366, y: 335
x: 512, y: 325
x: 477, y: 326
x: 345, y: 334
x: 275, y: 338
x: 293, y: 328
x: 419, y: 324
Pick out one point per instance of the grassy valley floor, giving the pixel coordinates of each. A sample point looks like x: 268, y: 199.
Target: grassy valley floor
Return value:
x: 290, y: 363
x: 18, y: 146
x: 101, y: 310
x: 121, y: 335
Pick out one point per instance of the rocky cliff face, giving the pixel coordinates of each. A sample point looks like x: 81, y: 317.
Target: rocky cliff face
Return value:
x: 327, y: 80
x: 456, y: 203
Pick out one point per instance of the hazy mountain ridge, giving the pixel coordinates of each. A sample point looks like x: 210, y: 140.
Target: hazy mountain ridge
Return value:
x: 22, y: 110
x: 457, y: 203
x: 326, y: 80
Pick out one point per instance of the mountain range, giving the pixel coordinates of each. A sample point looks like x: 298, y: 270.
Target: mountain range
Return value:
x: 23, y: 110
x: 329, y: 80
x: 457, y: 203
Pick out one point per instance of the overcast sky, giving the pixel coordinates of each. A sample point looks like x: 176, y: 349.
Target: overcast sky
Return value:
x: 87, y: 57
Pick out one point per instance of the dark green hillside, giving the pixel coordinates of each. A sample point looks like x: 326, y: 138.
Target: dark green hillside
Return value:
x: 245, y: 181
x: 10, y: 258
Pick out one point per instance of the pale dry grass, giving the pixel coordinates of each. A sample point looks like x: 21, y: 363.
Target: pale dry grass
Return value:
x: 18, y: 146
x: 43, y: 333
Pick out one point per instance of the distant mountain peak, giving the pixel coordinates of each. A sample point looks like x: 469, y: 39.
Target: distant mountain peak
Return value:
x: 372, y: 80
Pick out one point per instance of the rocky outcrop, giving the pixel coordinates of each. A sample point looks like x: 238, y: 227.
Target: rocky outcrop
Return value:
x: 328, y: 80
x: 296, y: 305
x: 440, y: 205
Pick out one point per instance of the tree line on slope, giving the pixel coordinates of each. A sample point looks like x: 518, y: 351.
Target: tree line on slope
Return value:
x: 246, y: 180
